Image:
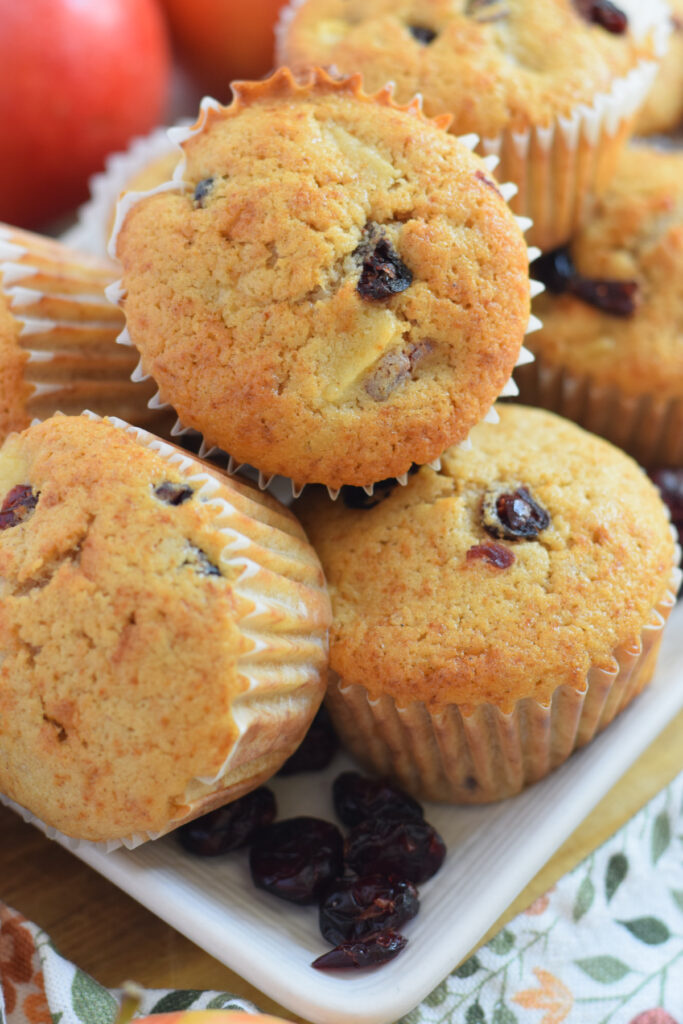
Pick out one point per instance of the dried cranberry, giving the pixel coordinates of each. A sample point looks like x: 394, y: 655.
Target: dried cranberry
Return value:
x: 378, y: 949
x: 603, y: 13
x: 406, y: 849
x: 355, y: 908
x: 383, y: 272
x: 513, y: 515
x: 17, y: 506
x: 357, y: 497
x: 173, y: 494
x: 670, y: 484
x: 297, y: 859
x: 557, y: 272
x: 200, y: 562
x: 230, y: 827
x: 317, y: 749
x: 422, y: 34
x: 358, y: 798
x: 202, y: 190
x: 494, y: 554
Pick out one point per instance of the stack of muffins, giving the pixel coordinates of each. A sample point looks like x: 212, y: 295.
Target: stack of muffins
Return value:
x: 331, y: 287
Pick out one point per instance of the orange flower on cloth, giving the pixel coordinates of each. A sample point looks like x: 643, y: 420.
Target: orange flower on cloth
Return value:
x: 36, y: 1009
x: 553, y: 996
x: 16, y: 955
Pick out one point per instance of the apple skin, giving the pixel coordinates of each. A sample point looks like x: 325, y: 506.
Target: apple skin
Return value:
x: 210, y: 1017
x: 78, y: 79
x: 221, y: 40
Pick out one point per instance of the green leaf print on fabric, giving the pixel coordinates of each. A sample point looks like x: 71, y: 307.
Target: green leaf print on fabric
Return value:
x: 648, y: 929
x: 661, y: 836
x: 503, y: 1015
x: 180, y: 1000
x: 413, y: 1017
x: 605, y: 969
x: 438, y: 996
x: 475, y: 1014
x: 56, y: 1017
x: 584, y: 899
x: 224, y: 1001
x: 92, y: 1003
x: 467, y: 969
x: 502, y: 943
x: 617, y: 869
x: 678, y: 897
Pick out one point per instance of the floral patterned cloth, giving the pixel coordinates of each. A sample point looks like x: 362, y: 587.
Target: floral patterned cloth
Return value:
x: 604, y: 946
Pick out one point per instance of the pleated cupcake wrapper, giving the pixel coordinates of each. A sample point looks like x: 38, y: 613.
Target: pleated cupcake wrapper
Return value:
x: 556, y: 167
x: 648, y: 427
x: 285, y: 621
x: 68, y: 329
x: 94, y: 218
x: 479, y: 755
x: 116, y: 294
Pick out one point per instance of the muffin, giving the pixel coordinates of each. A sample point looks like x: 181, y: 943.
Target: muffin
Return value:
x: 58, y: 334
x: 550, y: 86
x: 333, y: 289
x: 610, y: 355
x: 162, y: 630
x: 490, y: 618
x: 663, y: 108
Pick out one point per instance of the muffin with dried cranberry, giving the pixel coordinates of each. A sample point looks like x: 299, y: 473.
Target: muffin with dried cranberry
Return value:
x: 491, y: 617
x: 336, y: 288
x: 58, y: 334
x: 663, y: 108
x: 610, y: 355
x: 551, y: 86
x: 162, y: 631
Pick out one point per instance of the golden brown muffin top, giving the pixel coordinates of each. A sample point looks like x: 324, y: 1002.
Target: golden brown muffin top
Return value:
x: 634, y: 238
x: 123, y: 632
x: 493, y: 64
x: 337, y: 291
x: 663, y: 109
x: 423, y: 612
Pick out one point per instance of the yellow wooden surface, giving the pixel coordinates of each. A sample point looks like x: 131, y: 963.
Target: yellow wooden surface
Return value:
x: 113, y: 938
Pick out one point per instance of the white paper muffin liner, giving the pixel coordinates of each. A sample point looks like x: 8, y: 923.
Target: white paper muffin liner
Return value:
x: 558, y: 166
x: 648, y: 427
x: 470, y: 756
x: 90, y: 233
x: 282, y: 608
x: 116, y: 293
x: 68, y: 330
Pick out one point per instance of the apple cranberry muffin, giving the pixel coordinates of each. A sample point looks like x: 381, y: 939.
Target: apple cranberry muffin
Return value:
x: 610, y: 355
x: 551, y: 86
x: 334, y: 291
x: 58, y: 335
x: 663, y: 108
x: 162, y: 631
x: 491, y: 617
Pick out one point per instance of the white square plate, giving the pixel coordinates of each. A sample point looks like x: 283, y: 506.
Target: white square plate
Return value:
x: 493, y: 852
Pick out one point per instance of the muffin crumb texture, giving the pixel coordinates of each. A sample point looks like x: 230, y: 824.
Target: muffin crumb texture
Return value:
x: 124, y: 657
x: 429, y: 608
x: 338, y: 291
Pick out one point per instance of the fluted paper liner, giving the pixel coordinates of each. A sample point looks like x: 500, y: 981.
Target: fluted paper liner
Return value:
x: 556, y: 167
x: 67, y: 331
x: 471, y: 756
x: 284, y: 81
x: 282, y: 609
x: 648, y: 427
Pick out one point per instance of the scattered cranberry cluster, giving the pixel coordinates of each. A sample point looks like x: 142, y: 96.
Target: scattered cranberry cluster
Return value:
x: 365, y: 885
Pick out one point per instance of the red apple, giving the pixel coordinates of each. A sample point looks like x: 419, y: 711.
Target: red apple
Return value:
x: 220, y: 40
x: 78, y: 79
